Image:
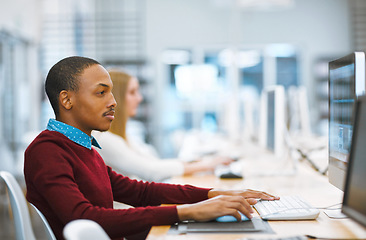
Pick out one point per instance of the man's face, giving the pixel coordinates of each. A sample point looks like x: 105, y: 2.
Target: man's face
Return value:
x: 93, y: 104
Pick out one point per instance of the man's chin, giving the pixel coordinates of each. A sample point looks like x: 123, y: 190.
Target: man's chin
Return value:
x: 103, y: 129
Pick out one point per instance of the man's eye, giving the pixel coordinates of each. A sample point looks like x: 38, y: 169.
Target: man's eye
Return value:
x: 101, y: 92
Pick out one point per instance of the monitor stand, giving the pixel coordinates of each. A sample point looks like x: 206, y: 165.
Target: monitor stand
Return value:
x: 335, y: 213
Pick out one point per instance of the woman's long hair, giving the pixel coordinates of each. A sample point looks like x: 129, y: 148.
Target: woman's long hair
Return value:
x: 120, y: 81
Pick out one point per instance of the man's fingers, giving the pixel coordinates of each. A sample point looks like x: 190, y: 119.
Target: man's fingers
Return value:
x: 215, y: 207
x: 239, y: 204
x: 238, y: 200
x: 237, y: 215
x: 259, y: 194
x: 252, y: 201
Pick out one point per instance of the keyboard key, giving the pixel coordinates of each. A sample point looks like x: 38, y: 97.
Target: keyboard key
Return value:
x: 287, y: 208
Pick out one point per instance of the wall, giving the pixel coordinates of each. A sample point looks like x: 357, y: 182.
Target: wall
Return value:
x: 22, y: 18
x: 19, y: 19
x: 317, y: 28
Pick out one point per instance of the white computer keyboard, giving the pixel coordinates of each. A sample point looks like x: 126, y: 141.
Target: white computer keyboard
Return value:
x: 287, y: 208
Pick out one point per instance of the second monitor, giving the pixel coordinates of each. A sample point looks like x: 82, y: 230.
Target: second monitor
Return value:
x: 273, y: 119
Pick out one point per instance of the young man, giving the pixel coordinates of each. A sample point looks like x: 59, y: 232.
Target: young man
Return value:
x: 67, y: 179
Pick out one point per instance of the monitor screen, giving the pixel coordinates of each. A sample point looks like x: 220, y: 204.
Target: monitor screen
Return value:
x: 355, y: 189
x: 346, y: 83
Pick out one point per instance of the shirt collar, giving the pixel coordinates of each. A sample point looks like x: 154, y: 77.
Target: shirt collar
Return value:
x: 72, y: 133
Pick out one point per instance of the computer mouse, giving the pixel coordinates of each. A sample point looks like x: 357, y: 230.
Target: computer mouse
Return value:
x: 229, y: 218
x: 230, y: 175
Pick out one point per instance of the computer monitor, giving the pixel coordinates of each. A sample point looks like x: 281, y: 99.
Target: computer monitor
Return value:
x: 298, y: 111
x: 273, y: 119
x: 346, y: 84
x: 354, y: 197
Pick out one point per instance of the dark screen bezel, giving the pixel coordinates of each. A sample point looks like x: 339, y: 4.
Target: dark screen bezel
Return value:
x: 348, y: 210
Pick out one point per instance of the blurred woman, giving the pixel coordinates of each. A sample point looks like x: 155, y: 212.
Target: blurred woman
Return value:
x: 132, y: 158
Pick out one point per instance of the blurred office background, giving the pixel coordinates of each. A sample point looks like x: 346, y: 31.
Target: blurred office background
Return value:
x: 202, y: 64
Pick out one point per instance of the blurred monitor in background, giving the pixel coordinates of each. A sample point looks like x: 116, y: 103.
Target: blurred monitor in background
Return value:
x: 273, y: 119
x: 298, y: 111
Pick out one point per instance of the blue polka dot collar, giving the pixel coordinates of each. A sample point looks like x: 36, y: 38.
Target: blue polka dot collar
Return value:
x: 72, y: 133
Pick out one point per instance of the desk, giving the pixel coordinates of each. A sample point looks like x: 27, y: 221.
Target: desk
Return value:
x: 311, y: 185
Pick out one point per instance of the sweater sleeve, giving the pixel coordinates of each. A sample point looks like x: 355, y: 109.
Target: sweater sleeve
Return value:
x: 140, y: 193
x: 125, y: 160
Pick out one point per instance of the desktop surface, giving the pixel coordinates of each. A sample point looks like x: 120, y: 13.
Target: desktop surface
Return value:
x: 311, y: 185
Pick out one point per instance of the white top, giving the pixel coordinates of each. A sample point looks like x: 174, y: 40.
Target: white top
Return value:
x: 135, y: 160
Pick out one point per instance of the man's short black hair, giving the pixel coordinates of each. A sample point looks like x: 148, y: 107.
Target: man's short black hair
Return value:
x: 64, y: 76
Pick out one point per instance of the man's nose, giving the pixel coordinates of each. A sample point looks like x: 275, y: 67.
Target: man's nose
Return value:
x: 113, y: 101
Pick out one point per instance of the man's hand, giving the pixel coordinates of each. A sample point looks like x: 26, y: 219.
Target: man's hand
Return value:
x: 248, y: 194
x: 215, y: 207
x: 223, y: 202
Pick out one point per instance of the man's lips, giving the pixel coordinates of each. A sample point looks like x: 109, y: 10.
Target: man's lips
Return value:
x: 109, y: 114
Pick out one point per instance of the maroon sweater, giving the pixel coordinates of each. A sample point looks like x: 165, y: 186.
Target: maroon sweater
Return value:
x: 67, y: 181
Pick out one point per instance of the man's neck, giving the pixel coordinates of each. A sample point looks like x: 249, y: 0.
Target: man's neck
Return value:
x: 73, y: 124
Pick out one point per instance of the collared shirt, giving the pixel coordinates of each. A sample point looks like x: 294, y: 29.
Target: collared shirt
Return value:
x: 72, y: 133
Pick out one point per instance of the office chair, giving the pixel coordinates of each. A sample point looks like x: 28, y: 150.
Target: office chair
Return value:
x: 22, y: 220
x: 84, y: 229
x: 48, y: 229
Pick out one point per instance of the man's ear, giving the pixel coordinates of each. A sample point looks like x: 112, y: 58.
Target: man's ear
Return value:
x: 65, y: 99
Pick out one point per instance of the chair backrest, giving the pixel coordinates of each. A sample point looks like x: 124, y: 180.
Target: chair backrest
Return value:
x: 22, y: 220
x: 47, y: 227
x: 84, y: 229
